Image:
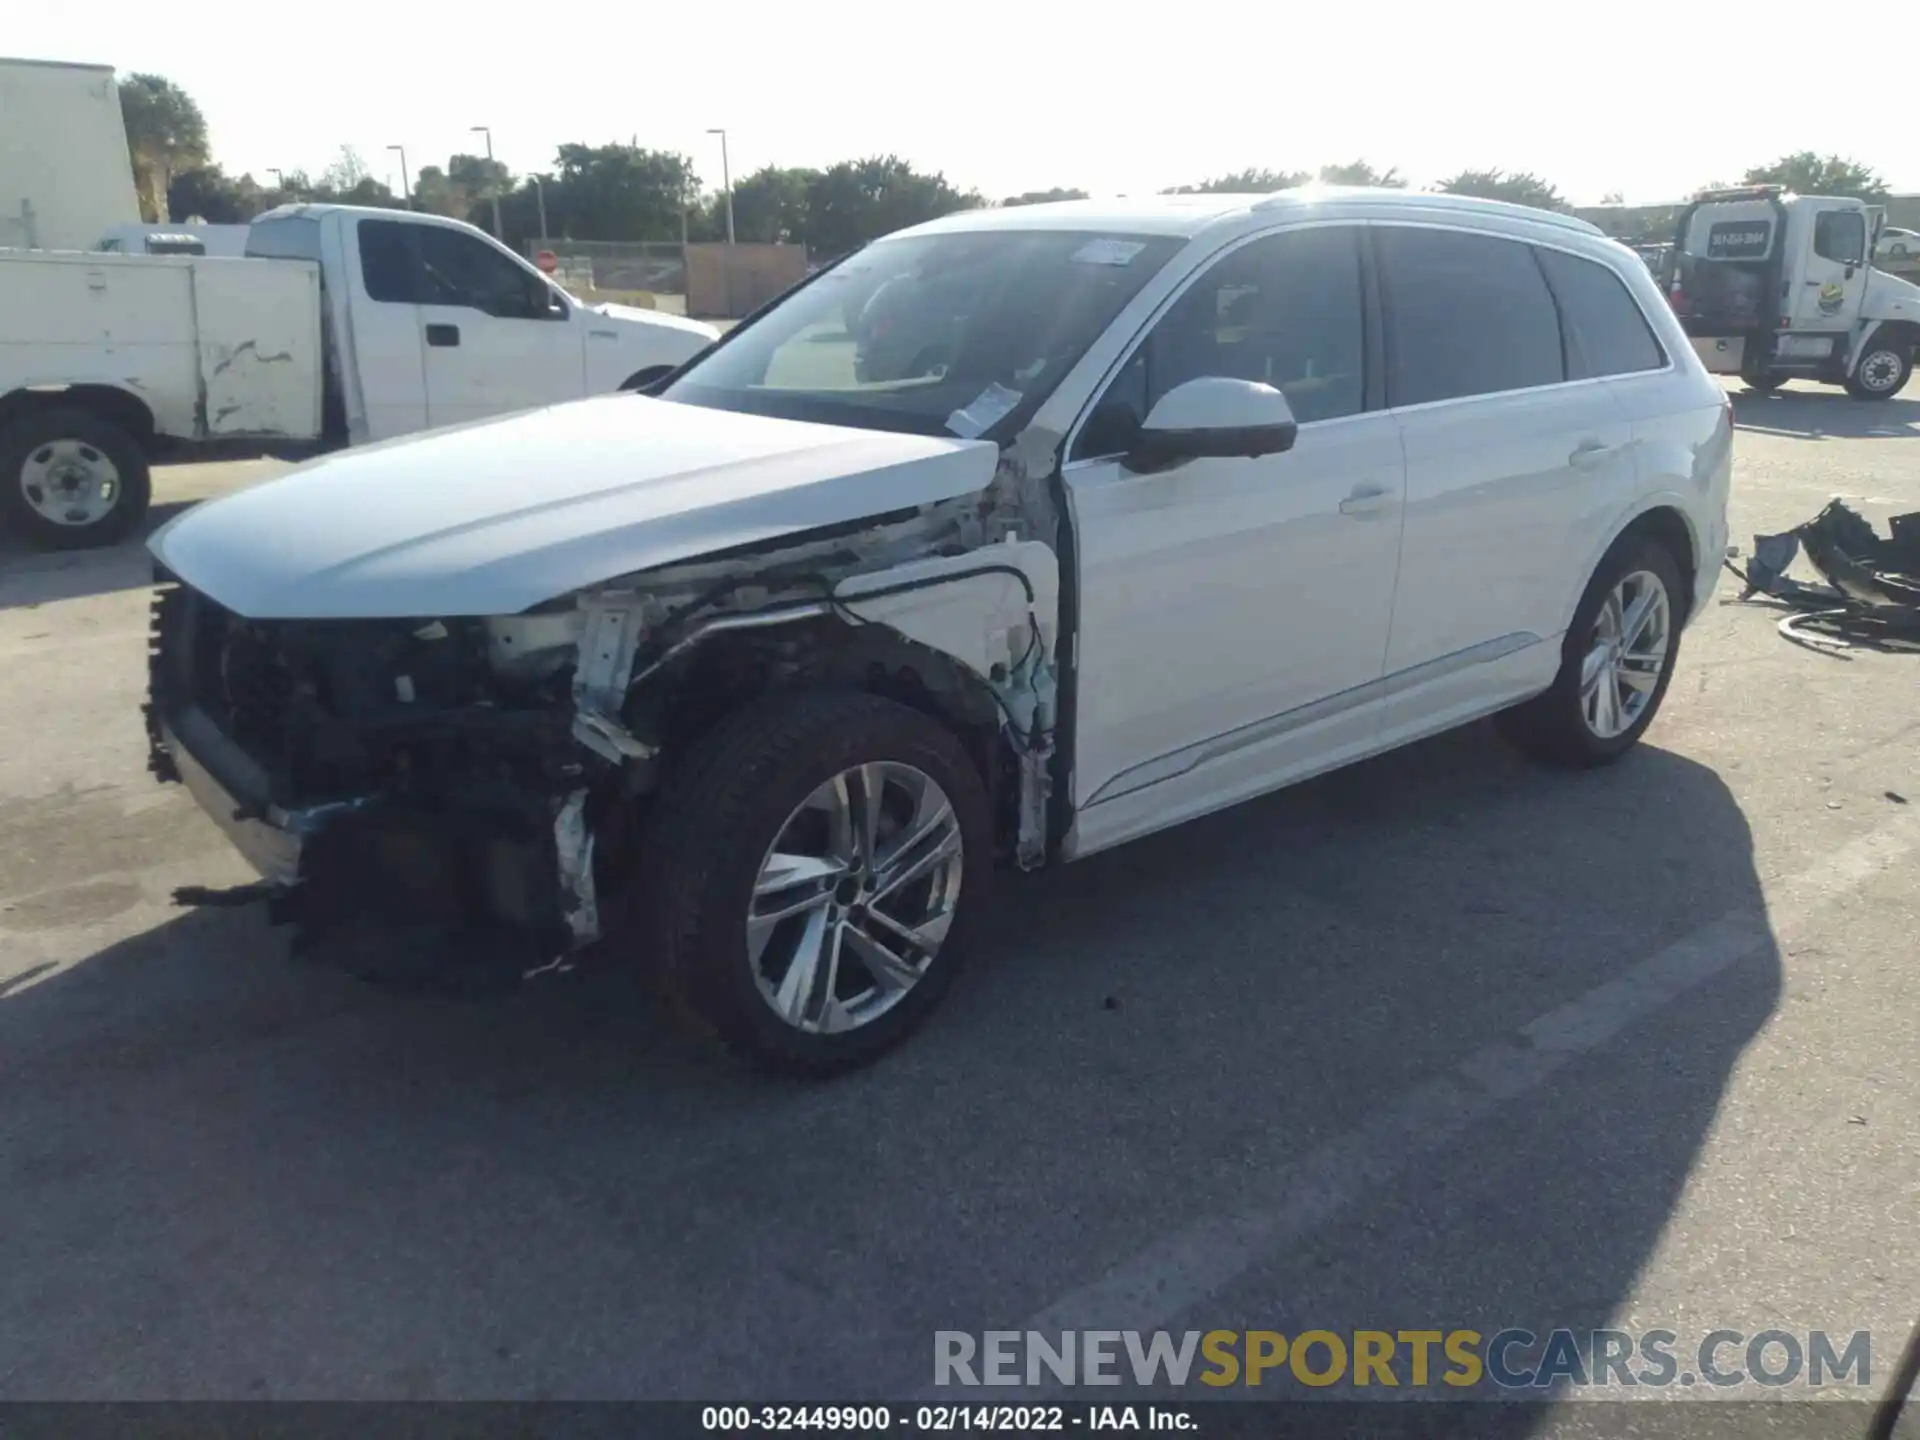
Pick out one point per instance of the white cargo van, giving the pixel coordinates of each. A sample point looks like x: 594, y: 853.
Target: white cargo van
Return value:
x: 1771, y: 286
x: 344, y: 325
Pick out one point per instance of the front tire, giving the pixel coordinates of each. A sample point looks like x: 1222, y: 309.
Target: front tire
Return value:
x: 809, y: 875
x: 1615, y: 663
x: 70, y: 478
x: 1883, y: 371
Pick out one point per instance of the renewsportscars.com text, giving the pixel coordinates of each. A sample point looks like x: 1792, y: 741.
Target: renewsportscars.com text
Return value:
x: 1460, y: 1359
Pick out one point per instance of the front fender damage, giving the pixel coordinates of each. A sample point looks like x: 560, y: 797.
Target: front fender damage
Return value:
x: 499, y: 803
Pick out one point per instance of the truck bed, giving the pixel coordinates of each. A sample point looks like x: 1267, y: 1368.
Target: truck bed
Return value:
x: 215, y: 347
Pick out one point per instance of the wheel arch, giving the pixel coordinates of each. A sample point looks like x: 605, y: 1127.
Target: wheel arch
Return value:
x: 111, y: 402
x: 729, y: 671
x: 1902, y: 332
x: 1667, y: 523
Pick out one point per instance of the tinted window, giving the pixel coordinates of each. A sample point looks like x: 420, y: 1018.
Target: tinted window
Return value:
x: 1606, y: 332
x: 1466, y: 315
x: 385, y: 266
x: 461, y: 269
x: 1840, y: 235
x: 1285, y: 311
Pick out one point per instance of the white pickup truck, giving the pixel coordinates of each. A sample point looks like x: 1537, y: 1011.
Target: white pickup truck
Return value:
x: 343, y: 326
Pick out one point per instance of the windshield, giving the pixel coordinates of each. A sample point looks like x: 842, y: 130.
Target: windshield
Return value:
x: 957, y: 334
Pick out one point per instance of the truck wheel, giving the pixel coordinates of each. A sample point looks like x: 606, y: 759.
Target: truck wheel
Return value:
x: 807, y: 877
x: 70, y: 478
x: 1882, y: 373
x: 1765, y: 382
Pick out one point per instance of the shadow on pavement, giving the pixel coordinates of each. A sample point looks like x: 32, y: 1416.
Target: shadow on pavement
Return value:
x: 232, y: 1177
x: 1827, y: 413
x: 31, y: 576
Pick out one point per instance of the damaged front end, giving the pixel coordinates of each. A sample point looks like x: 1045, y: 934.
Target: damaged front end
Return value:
x: 397, y: 792
x: 452, y: 802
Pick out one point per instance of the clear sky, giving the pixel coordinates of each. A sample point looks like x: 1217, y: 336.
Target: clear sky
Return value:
x: 1651, y: 101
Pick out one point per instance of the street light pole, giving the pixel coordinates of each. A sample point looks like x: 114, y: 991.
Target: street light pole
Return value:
x: 406, y: 183
x: 493, y: 185
x: 540, y: 194
x: 726, y: 181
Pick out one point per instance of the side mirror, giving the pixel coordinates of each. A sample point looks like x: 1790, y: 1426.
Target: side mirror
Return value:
x: 1215, y: 417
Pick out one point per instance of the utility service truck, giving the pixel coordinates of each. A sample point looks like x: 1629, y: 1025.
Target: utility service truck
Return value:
x: 1772, y: 286
x: 341, y: 326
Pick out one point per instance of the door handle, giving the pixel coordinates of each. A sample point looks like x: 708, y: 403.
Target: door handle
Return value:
x: 443, y: 334
x: 1370, y: 501
x: 1589, y: 453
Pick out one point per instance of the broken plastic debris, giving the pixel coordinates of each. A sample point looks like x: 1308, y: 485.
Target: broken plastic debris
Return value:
x: 983, y: 412
x: 1107, y: 252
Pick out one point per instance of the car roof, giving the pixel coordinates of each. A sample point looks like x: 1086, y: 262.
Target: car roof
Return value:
x: 1192, y: 215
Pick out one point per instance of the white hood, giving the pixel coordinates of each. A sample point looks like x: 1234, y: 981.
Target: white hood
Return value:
x: 660, y: 319
x: 490, y: 518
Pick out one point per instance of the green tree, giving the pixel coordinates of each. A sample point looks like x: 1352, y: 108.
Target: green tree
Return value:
x: 769, y: 206
x: 1044, y: 197
x: 861, y: 200
x: 1806, y: 173
x: 1245, y: 182
x: 438, y: 194
x: 619, y: 192
x: 166, y: 134
x: 208, y: 193
x: 1519, y: 188
x: 1361, y: 172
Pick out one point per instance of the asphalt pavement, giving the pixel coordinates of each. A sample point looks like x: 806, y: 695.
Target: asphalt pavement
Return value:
x: 1442, y: 1040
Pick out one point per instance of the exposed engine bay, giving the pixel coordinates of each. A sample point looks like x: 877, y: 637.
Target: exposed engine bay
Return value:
x: 452, y: 801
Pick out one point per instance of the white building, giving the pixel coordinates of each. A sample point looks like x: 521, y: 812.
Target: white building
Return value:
x: 65, y: 174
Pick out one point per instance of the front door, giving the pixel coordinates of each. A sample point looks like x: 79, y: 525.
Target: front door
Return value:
x: 1234, y: 612
x: 1832, y: 270
x: 494, y: 338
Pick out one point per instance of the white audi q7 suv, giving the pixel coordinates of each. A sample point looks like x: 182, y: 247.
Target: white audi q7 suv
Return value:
x: 1104, y: 516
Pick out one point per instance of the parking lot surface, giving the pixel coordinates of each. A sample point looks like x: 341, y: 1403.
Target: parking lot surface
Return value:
x: 1442, y: 1040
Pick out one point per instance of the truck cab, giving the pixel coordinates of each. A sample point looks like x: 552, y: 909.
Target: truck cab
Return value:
x: 1772, y: 286
x: 431, y: 322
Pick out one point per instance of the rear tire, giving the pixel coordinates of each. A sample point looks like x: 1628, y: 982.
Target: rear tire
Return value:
x: 71, y: 478
x: 728, y: 842
x: 1765, y: 383
x: 1883, y: 371
x: 1579, y: 722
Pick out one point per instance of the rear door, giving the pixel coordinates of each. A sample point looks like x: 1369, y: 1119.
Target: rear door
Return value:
x: 1513, y: 462
x: 1832, y: 270
x: 497, y: 337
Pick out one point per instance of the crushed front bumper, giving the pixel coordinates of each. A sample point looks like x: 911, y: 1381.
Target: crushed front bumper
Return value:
x: 230, y: 787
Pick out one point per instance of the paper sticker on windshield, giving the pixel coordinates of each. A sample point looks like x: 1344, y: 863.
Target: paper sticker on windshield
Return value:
x: 1108, y: 252
x: 987, y: 409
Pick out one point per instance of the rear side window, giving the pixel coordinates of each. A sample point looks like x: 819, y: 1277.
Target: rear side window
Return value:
x: 386, y: 267
x: 1607, y: 334
x: 1466, y: 315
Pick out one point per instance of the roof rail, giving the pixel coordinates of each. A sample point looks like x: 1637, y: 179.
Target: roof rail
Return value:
x: 1434, y: 199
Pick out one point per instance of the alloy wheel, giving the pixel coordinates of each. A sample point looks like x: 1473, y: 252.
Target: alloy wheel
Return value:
x: 855, y: 897
x: 1626, y: 656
